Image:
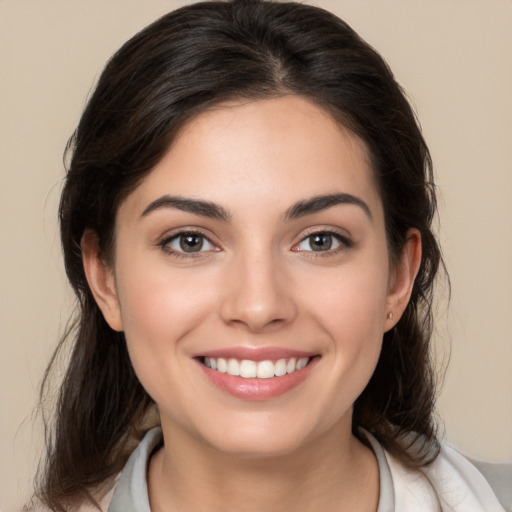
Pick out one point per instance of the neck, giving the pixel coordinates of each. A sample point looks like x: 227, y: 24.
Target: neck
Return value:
x: 336, y: 473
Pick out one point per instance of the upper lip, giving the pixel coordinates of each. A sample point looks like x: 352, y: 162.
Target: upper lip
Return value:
x: 256, y: 353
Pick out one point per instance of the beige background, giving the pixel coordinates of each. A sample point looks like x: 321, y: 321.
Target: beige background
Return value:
x: 454, y: 57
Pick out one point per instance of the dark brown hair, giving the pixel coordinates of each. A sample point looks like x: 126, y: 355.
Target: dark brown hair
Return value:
x: 184, y: 63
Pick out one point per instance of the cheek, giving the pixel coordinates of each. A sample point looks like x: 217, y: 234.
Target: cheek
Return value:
x: 351, y: 310
x: 345, y: 309
x: 157, y: 300
x: 352, y: 300
x: 158, y: 310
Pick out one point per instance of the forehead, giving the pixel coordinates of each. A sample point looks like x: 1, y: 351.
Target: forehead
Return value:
x: 272, y: 151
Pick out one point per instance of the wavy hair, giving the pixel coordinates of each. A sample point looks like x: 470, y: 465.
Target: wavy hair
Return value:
x: 187, y: 61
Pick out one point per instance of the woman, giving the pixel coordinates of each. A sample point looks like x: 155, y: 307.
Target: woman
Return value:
x: 246, y: 223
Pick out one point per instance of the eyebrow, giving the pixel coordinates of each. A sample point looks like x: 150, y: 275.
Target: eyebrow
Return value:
x: 319, y: 203
x: 217, y: 212
x: 196, y: 206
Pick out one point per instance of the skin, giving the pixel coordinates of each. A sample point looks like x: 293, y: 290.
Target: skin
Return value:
x: 256, y: 283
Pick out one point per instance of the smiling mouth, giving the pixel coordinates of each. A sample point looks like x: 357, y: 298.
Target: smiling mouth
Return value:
x: 249, y: 369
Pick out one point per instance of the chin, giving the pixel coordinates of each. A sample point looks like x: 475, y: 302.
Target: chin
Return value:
x: 271, y: 434
x: 258, y: 446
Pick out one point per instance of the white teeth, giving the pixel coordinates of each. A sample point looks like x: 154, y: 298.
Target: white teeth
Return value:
x: 301, y: 363
x: 251, y: 369
x: 265, y: 370
x: 280, y: 368
x: 233, y: 367
x: 248, y: 369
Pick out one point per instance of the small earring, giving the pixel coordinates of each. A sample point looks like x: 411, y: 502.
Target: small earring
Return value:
x: 390, y: 316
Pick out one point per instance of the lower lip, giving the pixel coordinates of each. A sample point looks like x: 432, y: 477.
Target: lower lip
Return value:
x: 258, y: 389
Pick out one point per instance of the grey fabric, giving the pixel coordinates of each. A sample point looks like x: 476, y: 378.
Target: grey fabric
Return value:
x: 387, y: 492
x: 499, y: 477
x: 131, y: 493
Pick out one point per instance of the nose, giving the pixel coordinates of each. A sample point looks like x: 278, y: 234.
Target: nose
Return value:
x: 258, y: 296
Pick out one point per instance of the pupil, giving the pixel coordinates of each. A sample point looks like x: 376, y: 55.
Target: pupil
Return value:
x: 321, y: 242
x: 191, y: 243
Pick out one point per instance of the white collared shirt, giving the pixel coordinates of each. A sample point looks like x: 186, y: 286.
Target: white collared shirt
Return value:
x: 450, y: 484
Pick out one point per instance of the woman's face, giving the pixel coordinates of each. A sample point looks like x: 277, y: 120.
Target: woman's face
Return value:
x: 256, y: 246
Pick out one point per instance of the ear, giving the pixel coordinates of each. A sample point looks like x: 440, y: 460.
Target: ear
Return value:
x: 402, y: 278
x: 100, y: 278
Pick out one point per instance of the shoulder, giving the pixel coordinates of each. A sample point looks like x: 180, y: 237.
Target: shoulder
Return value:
x: 103, y: 499
x: 128, y: 492
x: 452, y: 480
x: 499, y: 477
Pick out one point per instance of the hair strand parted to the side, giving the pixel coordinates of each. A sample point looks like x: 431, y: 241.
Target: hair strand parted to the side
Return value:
x: 183, y: 64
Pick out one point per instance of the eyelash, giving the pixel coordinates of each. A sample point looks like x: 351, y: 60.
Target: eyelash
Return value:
x: 343, y: 241
x: 164, y: 244
x: 344, y: 244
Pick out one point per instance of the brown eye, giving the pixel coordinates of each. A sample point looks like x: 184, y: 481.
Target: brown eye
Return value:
x: 323, y: 241
x: 187, y: 243
x: 191, y: 243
